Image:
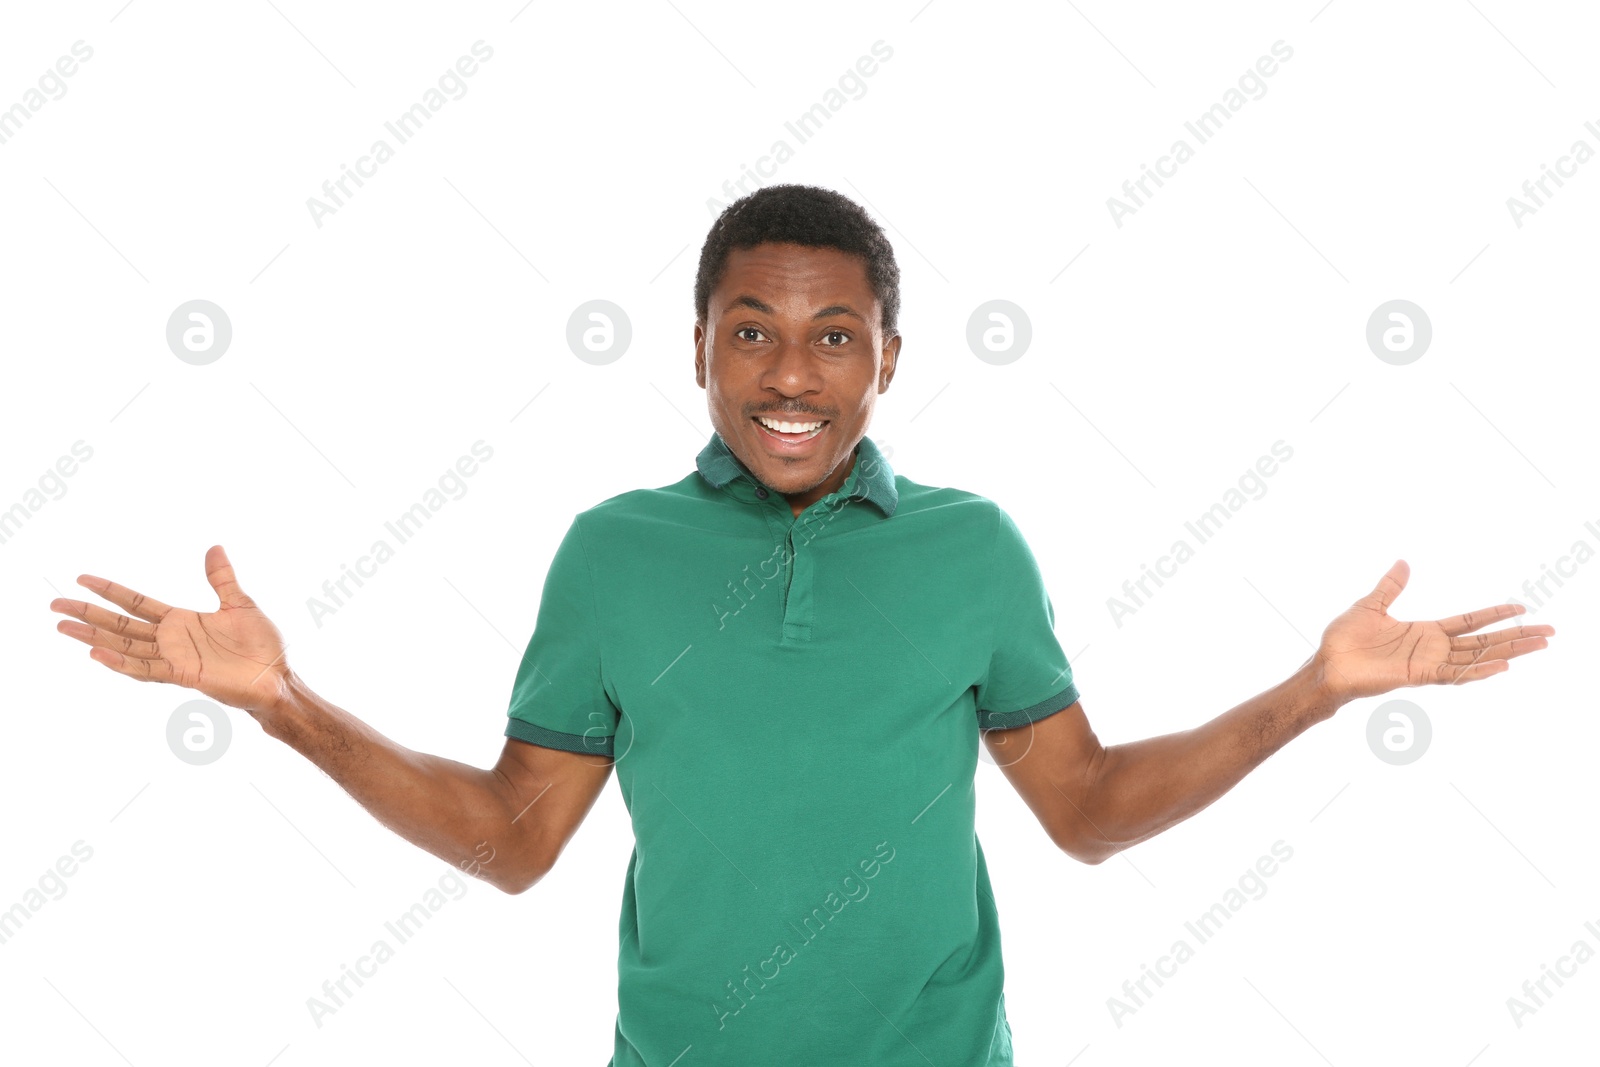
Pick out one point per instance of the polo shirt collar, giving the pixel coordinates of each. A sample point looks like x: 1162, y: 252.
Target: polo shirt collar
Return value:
x: 871, y: 477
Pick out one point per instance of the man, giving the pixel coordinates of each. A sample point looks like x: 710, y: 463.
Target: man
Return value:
x: 789, y: 656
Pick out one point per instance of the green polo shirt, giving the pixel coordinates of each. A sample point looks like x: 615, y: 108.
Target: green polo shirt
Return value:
x: 793, y: 705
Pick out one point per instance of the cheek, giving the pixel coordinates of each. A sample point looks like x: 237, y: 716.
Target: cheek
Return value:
x: 719, y: 394
x: 868, y: 392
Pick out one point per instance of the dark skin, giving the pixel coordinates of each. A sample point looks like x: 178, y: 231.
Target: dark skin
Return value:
x: 794, y: 331
x: 1094, y: 800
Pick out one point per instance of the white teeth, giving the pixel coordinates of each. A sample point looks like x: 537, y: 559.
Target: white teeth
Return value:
x: 789, y: 427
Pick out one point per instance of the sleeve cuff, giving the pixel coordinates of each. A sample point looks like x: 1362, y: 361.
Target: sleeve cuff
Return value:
x: 593, y: 744
x: 1005, y: 720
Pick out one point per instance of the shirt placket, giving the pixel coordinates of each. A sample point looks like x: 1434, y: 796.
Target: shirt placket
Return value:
x: 797, y: 601
x: 795, y: 540
x: 795, y: 537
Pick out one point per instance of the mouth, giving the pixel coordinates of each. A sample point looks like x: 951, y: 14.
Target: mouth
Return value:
x: 789, y: 436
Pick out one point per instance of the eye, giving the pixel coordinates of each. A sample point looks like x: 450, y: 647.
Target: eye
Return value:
x: 741, y: 331
x: 844, y: 337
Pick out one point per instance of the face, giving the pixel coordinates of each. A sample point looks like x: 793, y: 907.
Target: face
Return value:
x: 793, y: 335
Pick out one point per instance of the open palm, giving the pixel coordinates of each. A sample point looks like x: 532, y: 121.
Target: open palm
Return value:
x: 233, y: 654
x: 1365, y: 651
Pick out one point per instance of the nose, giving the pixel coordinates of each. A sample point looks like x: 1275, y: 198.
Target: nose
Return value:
x: 793, y: 371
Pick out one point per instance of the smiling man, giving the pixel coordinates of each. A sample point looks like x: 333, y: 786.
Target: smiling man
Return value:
x: 788, y: 657
x: 798, y: 439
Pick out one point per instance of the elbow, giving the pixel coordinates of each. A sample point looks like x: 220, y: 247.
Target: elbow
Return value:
x: 1079, y: 829
x: 1092, y: 849
x: 525, y: 879
x: 523, y: 862
x: 512, y: 886
x: 518, y: 878
x: 520, y: 883
x: 1095, y: 857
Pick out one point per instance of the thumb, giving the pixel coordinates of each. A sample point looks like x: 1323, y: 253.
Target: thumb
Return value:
x: 1390, y: 586
x: 219, y: 572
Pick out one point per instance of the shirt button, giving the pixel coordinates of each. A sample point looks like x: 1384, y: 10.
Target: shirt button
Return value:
x: 761, y: 492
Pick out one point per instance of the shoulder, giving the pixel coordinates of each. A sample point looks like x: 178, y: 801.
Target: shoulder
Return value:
x: 942, y: 501
x: 955, y: 507
x: 621, y: 515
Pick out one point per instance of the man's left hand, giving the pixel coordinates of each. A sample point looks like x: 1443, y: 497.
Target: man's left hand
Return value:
x: 1366, y: 652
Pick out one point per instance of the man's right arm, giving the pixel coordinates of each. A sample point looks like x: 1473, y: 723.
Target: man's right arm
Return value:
x: 524, y: 809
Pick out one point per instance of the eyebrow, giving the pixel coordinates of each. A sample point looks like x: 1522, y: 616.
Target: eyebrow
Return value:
x: 746, y: 300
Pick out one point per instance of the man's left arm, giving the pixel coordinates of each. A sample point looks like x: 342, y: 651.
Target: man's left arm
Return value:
x: 1095, y: 800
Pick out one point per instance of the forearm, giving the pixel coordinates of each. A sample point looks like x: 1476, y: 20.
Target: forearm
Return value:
x: 464, y: 815
x: 1144, y: 787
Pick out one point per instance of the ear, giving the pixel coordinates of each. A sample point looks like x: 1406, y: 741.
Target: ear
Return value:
x: 700, y: 354
x: 891, y: 358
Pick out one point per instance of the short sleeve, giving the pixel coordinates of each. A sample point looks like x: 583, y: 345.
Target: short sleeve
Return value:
x: 559, y: 698
x: 1028, y: 676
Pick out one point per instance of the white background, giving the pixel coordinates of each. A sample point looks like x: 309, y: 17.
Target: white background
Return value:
x: 369, y: 353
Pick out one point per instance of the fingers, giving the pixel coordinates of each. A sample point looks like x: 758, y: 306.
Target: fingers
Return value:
x: 1461, y: 624
x: 1452, y: 675
x: 1502, y: 650
x: 219, y: 572
x: 145, y: 670
x: 1463, y: 664
x: 1498, y: 636
x: 133, y: 603
x: 98, y: 638
x: 95, y: 615
x: 1391, y: 585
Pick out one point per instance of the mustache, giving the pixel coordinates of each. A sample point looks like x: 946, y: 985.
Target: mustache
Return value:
x: 790, y: 414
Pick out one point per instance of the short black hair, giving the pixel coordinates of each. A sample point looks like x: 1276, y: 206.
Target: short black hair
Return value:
x: 803, y: 215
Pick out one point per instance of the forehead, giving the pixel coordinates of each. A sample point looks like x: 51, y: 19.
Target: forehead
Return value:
x: 795, y: 274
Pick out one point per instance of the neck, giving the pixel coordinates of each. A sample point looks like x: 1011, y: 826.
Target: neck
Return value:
x: 798, y: 502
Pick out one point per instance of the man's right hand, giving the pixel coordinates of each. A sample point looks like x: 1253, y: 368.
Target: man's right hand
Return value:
x: 233, y: 654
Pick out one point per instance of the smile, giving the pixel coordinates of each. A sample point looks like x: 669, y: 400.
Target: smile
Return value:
x: 790, y: 433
